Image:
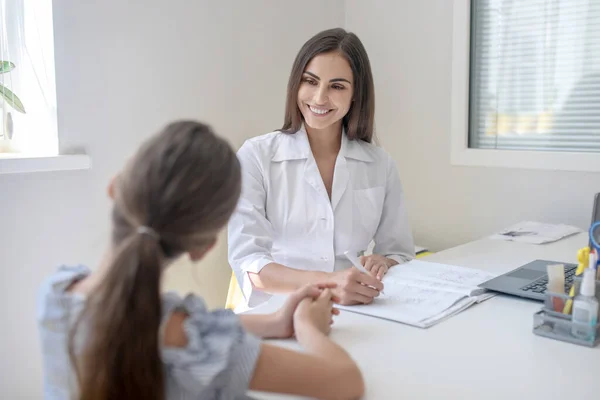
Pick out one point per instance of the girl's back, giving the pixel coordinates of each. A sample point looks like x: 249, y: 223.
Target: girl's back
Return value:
x: 217, y: 362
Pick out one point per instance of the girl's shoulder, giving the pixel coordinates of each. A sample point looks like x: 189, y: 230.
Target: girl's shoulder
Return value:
x: 219, y: 355
x: 53, y: 298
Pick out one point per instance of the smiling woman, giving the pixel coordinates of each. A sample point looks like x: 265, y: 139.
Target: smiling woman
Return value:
x: 332, y: 66
x: 317, y: 187
x: 324, y: 98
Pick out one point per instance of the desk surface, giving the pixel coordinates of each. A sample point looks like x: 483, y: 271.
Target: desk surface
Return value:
x: 486, y: 352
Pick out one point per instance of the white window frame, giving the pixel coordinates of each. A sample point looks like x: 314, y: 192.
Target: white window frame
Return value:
x: 461, y: 154
x: 11, y: 163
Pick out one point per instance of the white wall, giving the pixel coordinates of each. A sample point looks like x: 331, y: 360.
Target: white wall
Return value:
x: 124, y: 68
x: 410, y: 47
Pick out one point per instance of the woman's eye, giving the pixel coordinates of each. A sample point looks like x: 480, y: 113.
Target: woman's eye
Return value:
x: 338, y: 87
x: 310, y: 81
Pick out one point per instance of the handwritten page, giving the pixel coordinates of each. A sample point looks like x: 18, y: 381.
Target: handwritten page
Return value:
x: 439, y: 277
x: 422, y: 293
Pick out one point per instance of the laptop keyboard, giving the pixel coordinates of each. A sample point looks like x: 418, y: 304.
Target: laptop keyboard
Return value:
x: 540, y: 285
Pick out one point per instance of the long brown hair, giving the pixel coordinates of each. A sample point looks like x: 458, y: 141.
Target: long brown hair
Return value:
x: 183, y: 184
x: 359, y: 122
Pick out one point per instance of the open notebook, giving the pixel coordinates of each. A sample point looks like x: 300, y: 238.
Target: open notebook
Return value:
x: 421, y: 293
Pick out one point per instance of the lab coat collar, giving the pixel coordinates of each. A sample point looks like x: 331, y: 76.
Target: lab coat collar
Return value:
x: 296, y: 147
x: 292, y: 146
x: 355, y: 149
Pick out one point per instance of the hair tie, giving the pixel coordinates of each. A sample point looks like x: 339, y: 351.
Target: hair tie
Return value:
x: 146, y: 230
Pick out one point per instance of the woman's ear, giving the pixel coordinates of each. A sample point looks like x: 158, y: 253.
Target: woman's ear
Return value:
x: 111, y: 187
x: 197, y: 255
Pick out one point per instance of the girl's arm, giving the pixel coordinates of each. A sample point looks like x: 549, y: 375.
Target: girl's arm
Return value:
x: 326, y: 372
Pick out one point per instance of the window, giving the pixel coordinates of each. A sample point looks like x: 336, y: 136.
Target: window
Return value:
x: 28, y: 93
x: 526, y: 84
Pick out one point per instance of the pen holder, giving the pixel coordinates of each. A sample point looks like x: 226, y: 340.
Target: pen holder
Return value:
x: 577, y: 284
x: 552, y: 322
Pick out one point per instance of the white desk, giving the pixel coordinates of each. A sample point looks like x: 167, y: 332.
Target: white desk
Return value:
x: 486, y: 352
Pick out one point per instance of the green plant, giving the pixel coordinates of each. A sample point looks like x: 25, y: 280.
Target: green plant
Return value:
x: 8, y: 96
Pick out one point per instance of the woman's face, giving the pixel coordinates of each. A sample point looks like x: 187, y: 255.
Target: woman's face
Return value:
x: 326, y: 90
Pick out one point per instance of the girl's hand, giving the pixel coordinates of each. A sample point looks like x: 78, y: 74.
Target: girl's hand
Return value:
x: 284, y: 317
x: 315, y: 314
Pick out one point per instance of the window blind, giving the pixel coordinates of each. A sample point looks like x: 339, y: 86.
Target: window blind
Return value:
x: 535, y: 75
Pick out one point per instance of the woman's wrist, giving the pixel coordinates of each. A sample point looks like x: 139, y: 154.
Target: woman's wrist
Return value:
x: 320, y: 277
x: 391, y: 262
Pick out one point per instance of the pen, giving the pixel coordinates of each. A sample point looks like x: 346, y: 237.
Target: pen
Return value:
x: 357, y: 264
x: 583, y: 258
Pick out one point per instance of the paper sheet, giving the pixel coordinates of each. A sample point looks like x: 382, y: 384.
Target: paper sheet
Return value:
x: 421, y: 293
x: 536, y: 232
x: 438, y: 274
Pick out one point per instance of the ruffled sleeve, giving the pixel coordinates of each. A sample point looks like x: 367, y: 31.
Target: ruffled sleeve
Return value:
x: 220, y: 357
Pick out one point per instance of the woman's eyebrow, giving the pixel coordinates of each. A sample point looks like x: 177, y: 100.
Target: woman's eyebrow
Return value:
x: 331, y: 80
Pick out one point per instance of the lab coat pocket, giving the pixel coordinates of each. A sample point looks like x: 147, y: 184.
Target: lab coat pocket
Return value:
x: 368, y: 207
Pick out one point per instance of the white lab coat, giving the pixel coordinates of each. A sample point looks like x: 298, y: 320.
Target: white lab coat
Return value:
x: 285, y: 216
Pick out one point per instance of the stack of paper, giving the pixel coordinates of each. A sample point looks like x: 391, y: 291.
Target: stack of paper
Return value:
x: 536, y: 233
x: 422, y: 293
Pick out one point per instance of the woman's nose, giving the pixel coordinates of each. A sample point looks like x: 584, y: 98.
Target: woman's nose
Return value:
x: 321, y: 96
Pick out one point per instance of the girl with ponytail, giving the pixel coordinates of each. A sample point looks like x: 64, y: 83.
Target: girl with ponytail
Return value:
x: 111, y: 334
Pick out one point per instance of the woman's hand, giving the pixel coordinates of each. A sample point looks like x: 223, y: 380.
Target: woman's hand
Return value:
x: 378, y: 265
x: 355, y: 287
x: 284, y: 317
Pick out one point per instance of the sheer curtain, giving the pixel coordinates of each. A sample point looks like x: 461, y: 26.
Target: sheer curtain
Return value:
x: 27, y: 78
x: 535, y: 75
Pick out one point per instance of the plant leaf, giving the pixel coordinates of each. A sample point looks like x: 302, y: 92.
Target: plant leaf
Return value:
x: 6, y: 66
x: 11, y: 99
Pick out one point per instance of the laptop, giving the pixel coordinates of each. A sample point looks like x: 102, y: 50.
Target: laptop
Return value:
x: 531, y: 280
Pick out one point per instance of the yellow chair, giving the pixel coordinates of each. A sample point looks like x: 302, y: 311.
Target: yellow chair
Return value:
x: 423, y: 254
x: 235, y: 296
x: 234, y: 293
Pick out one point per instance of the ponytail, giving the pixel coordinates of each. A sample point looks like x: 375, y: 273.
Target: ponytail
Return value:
x: 120, y: 358
x: 184, y: 184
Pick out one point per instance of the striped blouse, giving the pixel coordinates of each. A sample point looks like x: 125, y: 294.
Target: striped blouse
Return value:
x: 217, y: 363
